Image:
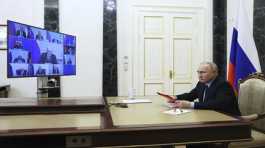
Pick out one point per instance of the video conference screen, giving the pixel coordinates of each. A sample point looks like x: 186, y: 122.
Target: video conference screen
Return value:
x: 36, y: 52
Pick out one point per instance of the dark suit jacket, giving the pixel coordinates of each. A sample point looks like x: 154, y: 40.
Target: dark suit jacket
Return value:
x: 40, y: 72
x: 39, y: 37
x: 55, y: 70
x: 21, y: 72
x: 220, y: 97
x: 30, y: 34
x: 21, y: 33
x: 44, y: 58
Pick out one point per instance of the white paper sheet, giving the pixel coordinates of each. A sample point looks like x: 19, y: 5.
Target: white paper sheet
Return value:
x: 177, y: 111
x: 131, y: 101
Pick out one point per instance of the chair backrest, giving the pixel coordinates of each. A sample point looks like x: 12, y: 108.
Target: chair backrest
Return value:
x: 251, y: 97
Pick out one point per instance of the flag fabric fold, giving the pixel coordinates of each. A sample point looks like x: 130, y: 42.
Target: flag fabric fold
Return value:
x: 244, y: 58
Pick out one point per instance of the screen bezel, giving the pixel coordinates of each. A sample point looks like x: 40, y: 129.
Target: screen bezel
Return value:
x: 46, y: 75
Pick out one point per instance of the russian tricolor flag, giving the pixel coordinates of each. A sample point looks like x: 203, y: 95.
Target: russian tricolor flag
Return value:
x: 244, y: 58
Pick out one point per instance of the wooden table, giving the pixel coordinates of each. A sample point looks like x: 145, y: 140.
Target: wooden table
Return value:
x: 138, y: 125
x: 51, y: 105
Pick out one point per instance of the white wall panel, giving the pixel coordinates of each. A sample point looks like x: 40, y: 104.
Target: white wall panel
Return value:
x: 182, y: 60
x: 85, y: 20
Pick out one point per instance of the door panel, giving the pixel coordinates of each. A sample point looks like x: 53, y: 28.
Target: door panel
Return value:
x: 153, y: 59
x: 153, y: 25
x: 182, y: 61
x: 182, y: 26
x: 152, y: 54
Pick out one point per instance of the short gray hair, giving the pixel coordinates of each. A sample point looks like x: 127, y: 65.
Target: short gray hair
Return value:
x: 212, y: 65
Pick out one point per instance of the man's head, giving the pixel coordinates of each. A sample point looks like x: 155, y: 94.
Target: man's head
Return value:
x: 207, y: 71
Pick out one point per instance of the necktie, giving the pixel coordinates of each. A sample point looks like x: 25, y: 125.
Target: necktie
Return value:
x: 205, y: 92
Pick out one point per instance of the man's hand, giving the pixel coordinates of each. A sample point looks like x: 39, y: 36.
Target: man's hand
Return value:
x: 182, y: 104
x: 170, y: 99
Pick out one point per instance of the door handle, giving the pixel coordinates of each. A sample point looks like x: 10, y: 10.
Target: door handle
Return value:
x: 171, y: 74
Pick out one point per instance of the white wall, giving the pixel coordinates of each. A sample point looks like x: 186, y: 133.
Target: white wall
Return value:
x: 85, y: 20
x: 231, y: 18
x: 28, y: 12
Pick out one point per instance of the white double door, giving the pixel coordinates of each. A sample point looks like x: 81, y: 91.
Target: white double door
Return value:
x: 167, y: 46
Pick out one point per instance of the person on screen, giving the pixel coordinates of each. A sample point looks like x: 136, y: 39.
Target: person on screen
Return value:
x: 55, y: 70
x: 54, y: 40
x: 39, y: 36
x: 48, y: 57
x: 213, y: 93
x: 59, y: 41
x: 69, y: 61
x: 66, y: 50
x: 29, y: 60
x: 21, y: 72
x: 10, y: 57
x: 18, y: 45
x: 48, y: 36
x: 21, y: 32
x: 30, y: 70
x: 40, y: 71
x: 19, y: 59
x: 71, y: 51
x: 30, y: 33
x: 10, y: 70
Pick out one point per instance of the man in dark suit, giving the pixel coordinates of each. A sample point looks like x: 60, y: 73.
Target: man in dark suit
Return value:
x: 55, y: 70
x: 21, y: 32
x: 69, y: 61
x: 30, y: 70
x: 21, y: 72
x: 30, y: 33
x: 212, y: 91
x: 40, y: 71
x: 39, y: 36
x: 48, y: 57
